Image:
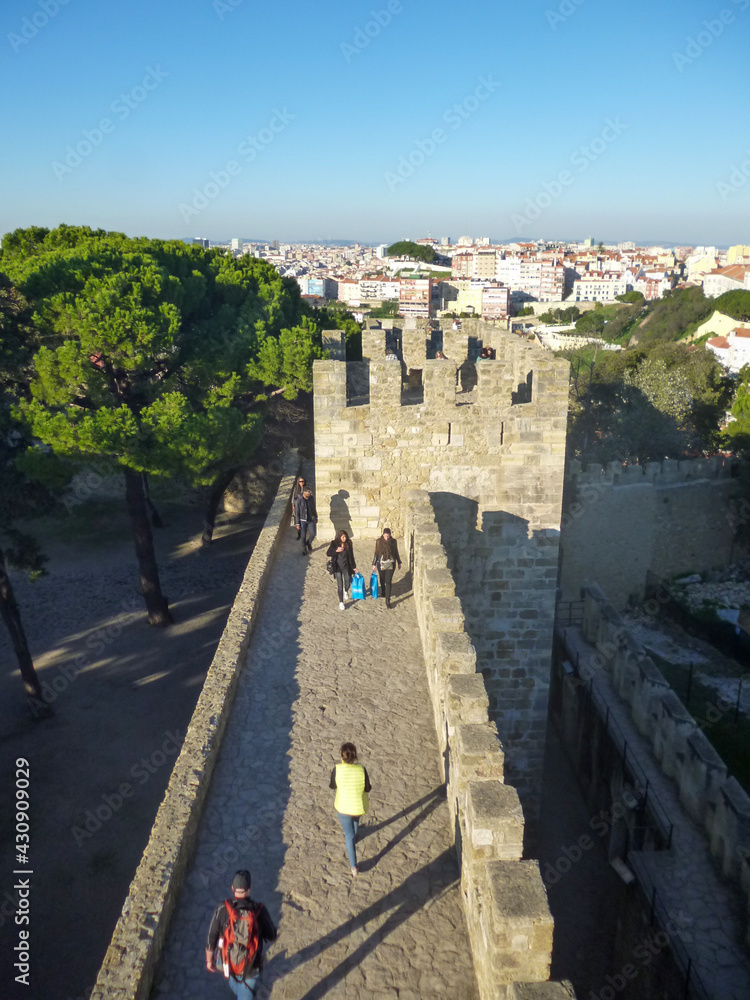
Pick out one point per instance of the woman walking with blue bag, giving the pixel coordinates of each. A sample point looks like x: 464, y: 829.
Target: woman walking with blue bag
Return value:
x: 352, y: 784
x: 385, y: 560
x: 343, y: 566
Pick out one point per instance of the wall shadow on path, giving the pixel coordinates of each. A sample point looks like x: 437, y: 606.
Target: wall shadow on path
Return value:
x: 417, y: 890
x: 429, y: 804
x: 365, y: 830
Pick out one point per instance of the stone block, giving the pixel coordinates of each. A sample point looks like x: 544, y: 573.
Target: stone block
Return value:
x: 477, y: 753
x: 438, y: 583
x: 445, y: 614
x: 455, y: 653
x: 671, y: 734
x: 702, y: 774
x: 730, y: 832
x: 520, y: 920
x: 494, y: 822
x: 467, y: 700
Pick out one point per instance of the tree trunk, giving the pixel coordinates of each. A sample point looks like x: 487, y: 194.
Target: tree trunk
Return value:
x: 217, y: 492
x: 156, y: 604
x: 11, y: 616
x: 156, y: 520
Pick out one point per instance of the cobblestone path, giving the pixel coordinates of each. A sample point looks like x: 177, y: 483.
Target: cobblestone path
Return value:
x: 316, y: 677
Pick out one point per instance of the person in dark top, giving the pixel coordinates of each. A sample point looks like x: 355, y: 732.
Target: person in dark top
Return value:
x: 307, y: 517
x: 385, y: 560
x: 341, y: 553
x: 297, y: 492
x: 246, y: 988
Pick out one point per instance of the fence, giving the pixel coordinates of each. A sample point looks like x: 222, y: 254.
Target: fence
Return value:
x: 695, y: 988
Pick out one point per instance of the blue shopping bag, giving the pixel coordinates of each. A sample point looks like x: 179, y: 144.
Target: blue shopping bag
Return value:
x: 358, y: 587
x: 374, y: 586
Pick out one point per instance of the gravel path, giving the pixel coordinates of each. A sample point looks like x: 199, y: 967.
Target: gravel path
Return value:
x: 121, y: 691
x: 316, y: 677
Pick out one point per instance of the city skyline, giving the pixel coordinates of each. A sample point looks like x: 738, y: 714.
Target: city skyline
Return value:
x: 554, y: 120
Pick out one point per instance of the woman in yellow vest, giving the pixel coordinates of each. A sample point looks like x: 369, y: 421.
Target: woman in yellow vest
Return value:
x: 352, y: 784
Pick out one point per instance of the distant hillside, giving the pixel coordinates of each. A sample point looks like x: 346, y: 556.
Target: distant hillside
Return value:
x: 414, y: 251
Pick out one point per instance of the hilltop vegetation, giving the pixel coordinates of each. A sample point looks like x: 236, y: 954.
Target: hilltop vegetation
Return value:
x: 414, y: 251
x: 646, y: 403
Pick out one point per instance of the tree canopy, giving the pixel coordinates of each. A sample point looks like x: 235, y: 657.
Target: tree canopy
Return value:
x: 154, y: 354
x: 414, y: 251
x: 646, y: 404
x: 735, y: 304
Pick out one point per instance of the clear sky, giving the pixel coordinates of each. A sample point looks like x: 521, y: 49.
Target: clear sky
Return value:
x: 379, y: 120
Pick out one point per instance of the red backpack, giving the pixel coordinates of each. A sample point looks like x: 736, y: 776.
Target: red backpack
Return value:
x: 240, y: 942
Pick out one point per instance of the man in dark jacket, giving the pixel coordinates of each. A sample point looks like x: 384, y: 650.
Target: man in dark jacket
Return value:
x: 245, y: 987
x: 307, y: 517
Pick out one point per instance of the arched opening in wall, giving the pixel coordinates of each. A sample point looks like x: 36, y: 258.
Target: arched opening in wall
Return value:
x: 523, y: 392
x: 412, y: 391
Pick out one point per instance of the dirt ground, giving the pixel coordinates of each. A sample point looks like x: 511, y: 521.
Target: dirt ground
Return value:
x: 122, y: 693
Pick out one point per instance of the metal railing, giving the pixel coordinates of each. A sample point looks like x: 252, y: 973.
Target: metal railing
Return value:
x: 569, y: 613
x: 695, y: 988
x: 649, y: 802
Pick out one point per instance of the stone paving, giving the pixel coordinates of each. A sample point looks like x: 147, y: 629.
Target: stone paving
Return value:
x: 316, y: 677
x: 708, y: 911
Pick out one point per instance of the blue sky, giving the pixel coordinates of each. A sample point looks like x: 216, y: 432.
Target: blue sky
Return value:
x: 379, y: 120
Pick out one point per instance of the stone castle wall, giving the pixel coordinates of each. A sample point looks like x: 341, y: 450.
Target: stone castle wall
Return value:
x: 620, y: 521
x: 505, y: 902
x: 714, y: 801
x: 491, y: 456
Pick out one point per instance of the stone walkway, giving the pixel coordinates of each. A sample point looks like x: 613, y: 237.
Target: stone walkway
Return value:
x: 316, y: 677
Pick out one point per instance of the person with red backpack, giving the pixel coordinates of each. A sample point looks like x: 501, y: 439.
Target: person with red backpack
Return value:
x: 238, y: 929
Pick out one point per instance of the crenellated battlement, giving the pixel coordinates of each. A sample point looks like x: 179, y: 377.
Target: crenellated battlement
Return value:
x: 665, y: 473
x: 487, y: 440
x: 494, y: 429
x: 622, y: 521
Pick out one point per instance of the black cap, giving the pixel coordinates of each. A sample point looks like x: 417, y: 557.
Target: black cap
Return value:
x: 241, y: 880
